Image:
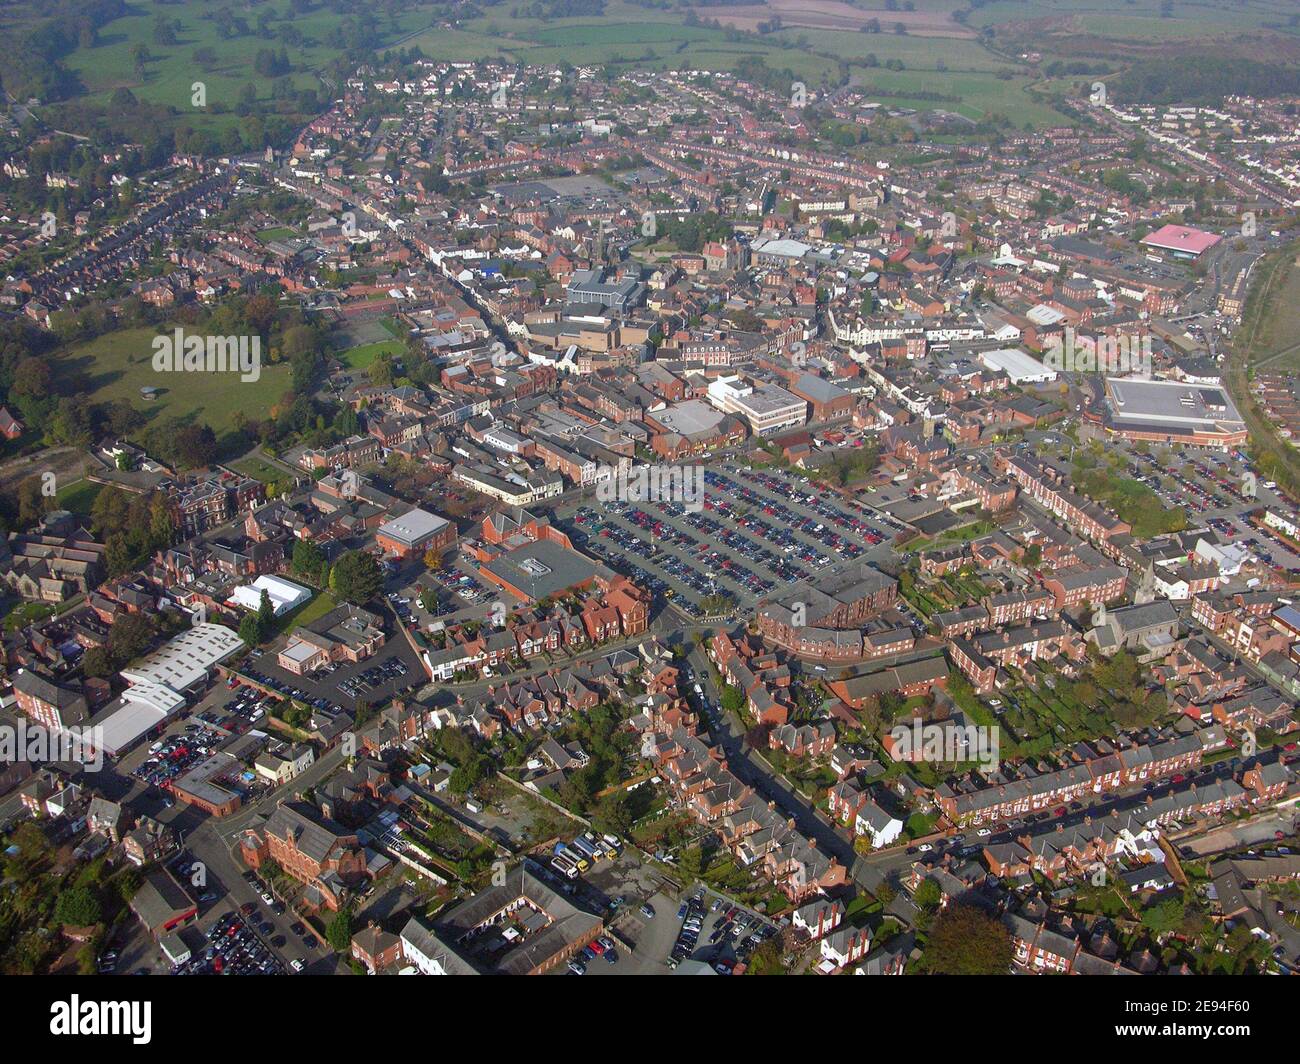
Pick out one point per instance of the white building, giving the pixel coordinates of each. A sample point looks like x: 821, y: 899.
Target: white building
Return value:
x: 285, y: 595
x: 1017, y: 365
x: 874, y: 822
x: 766, y: 407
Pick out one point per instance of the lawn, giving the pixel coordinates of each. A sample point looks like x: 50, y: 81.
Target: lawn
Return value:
x: 280, y: 232
x: 78, y: 496
x: 312, y: 610
x: 262, y: 470
x: 120, y: 363
x: 361, y: 357
x: 25, y: 613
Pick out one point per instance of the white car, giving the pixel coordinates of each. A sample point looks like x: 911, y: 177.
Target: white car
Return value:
x: 983, y: 833
x: 925, y: 847
x: 296, y: 964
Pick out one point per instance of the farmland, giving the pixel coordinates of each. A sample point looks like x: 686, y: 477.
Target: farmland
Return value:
x: 938, y: 43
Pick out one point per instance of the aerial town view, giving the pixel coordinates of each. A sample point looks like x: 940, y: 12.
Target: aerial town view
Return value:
x: 649, y: 487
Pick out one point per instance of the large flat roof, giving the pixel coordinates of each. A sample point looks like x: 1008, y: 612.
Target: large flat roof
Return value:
x: 187, y: 659
x: 1170, y: 403
x: 542, y: 569
x: 689, y: 418
x: 1017, y: 365
x: 124, y: 720
x: 1181, y: 238
x: 413, y: 526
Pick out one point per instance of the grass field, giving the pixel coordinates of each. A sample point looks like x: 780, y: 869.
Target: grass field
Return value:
x: 1140, y: 19
x: 818, y: 36
x: 261, y: 470
x: 636, y: 37
x: 169, y: 76
x: 1276, y: 341
x: 280, y: 232
x: 312, y: 610
x: 361, y: 357
x: 119, y: 364
x: 78, y: 496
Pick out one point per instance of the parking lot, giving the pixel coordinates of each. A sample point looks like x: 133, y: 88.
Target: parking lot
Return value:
x: 1212, y: 487
x: 651, y: 926
x: 247, y: 930
x: 461, y: 595
x: 394, y: 670
x: 756, y: 531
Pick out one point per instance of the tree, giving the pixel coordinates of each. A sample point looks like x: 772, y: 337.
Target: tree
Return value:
x: 612, y: 815
x: 265, y: 615
x: 249, y: 630
x: 160, y: 521
x: 32, y: 379
x: 97, y: 662
x: 109, y: 511
x: 78, y: 907
x: 33, y: 504
x: 308, y: 559
x: 465, y: 777
x: 357, y: 577
x: 130, y: 637
x: 195, y: 446
x: 965, y: 940
x: 338, y: 932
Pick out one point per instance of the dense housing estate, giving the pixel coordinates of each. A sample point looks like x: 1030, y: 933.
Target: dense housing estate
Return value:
x: 687, y: 529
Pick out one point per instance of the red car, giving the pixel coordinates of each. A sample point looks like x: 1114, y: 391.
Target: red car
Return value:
x: 1060, y: 811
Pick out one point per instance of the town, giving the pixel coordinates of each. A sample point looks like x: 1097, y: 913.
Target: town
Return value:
x: 536, y: 518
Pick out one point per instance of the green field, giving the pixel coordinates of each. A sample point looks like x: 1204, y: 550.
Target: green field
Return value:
x: 119, y: 364
x: 78, y: 496
x: 635, y: 37
x: 280, y: 232
x: 941, y: 57
x: 261, y: 470
x: 312, y: 610
x: 361, y: 357
x: 170, y: 75
x: 1141, y: 19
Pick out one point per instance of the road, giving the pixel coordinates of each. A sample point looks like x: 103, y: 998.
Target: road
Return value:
x: 213, y: 843
x: 754, y: 772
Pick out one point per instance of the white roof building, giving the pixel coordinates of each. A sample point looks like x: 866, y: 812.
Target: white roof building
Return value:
x: 187, y: 660
x: 285, y: 595
x: 1017, y: 365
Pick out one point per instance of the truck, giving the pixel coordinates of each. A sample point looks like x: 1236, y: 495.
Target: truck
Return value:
x: 588, y: 849
x: 576, y: 857
x: 602, y: 848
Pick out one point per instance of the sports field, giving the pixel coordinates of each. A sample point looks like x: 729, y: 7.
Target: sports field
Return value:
x: 119, y: 364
